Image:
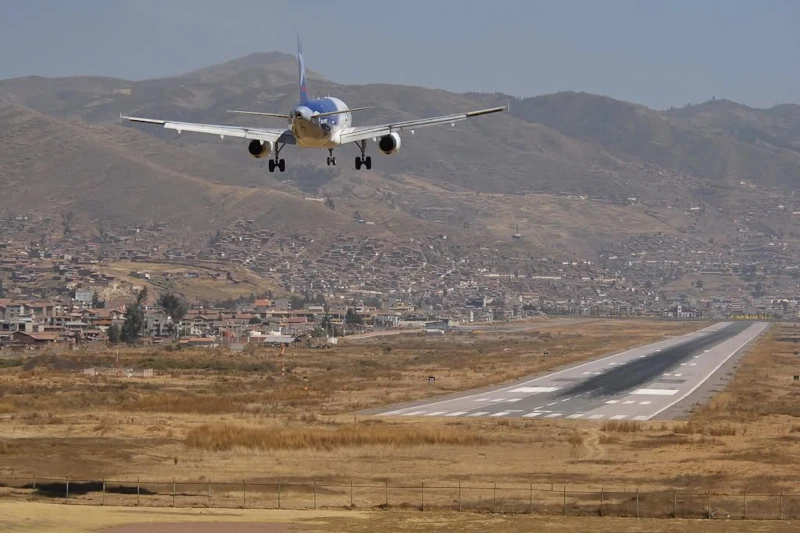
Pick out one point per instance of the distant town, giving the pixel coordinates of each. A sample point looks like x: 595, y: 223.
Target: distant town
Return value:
x: 57, y: 287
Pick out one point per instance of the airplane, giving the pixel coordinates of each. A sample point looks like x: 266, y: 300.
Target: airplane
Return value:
x: 315, y: 123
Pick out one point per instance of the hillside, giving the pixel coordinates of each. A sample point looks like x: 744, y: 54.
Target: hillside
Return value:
x: 122, y: 177
x: 563, y: 166
x: 724, y: 145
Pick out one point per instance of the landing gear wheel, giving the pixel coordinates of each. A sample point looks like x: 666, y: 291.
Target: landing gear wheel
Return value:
x: 368, y: 162
x: 282, y: 165
x: 358, y: 163
x: 272, y: 165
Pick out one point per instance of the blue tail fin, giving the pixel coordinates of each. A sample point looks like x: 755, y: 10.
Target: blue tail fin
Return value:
x: 301, y: 67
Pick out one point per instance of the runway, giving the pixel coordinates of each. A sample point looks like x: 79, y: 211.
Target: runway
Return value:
x: 637, y: 384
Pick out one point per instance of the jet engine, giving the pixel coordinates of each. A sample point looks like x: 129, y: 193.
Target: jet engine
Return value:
x: 258, y: 150
x: 389, y: 144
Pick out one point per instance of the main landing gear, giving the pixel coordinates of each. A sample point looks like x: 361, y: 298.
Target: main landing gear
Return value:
x: 331, y: 158
x: 274, y: 163
x: 366, y: 161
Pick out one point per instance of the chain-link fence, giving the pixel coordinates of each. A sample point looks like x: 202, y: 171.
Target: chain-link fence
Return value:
x: 423, y: 496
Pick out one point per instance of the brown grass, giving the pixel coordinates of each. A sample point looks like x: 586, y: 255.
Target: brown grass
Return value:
x: 701, y: 428
x: 137, y: 427
x: 576, y: 439
x: 623, y: 426
x: 227, y: 437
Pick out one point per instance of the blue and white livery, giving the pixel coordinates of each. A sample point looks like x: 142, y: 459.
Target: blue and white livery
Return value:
x: 318, y: 123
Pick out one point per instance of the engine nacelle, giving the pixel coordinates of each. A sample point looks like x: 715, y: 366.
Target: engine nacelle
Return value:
x: 258, y: 150
x: 389, y: 144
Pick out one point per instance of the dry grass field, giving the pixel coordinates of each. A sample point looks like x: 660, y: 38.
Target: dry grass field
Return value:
x: 19, y: 517
x: 233, y: 416
x: 218, y: 416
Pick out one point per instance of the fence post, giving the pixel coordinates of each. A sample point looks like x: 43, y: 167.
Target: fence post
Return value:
x: 209, y: 493
x: 173, y: 492
x: 494, y: 499
x: 530, y: 499
x: 745, y: 505
x: 103, y: 501
x: 137, y: 492
x: 565, y: 500
x: 459, y: 496
x: 315, y: 494
x: 386, y: 493
x: 351, y: 494
x: 34, y: 485
x: 602, y: 498
x: 781, y: 506
x: 709, y: 504
x: 637, y: 502
x: 244, y: 494
x: 66, y: 494
x: 675, y: 504
x: 279, y: 494
x: 422, y: 495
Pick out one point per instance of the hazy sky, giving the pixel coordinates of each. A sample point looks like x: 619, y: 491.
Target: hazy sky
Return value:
x: 655, y: 52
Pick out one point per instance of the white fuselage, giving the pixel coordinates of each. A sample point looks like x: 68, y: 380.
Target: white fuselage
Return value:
x: 312, y: 131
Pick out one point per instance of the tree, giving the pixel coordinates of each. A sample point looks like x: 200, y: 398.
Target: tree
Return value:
x: 174, y: 307
x: 2, y: 290
x: 758, y: 290
x: 352, y: 318
x: 114, y: 333
x: 255, y: 320
x: 97, y: 303
x: 134, y: 319
x: 141, y: 298
x: 699, y: 284
x: 132, y: 327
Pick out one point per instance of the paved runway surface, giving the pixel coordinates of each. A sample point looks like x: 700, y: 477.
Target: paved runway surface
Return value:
x: 634, y: 385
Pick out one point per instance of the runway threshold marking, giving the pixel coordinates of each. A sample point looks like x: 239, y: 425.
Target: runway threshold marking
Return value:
x: 534, y: 390
x: 656, y: 392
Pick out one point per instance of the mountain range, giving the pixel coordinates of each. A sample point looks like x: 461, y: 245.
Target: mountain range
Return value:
x: 576, y: 172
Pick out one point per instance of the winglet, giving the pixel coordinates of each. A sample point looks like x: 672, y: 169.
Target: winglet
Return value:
x: 301, y: 68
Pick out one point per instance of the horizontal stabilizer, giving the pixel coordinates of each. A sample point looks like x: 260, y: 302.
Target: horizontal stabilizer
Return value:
x: 260, y: 114
x: 331, y: 113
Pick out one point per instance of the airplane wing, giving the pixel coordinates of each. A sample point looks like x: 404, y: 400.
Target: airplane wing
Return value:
x: 370, y: 132
x: 281, y: 135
